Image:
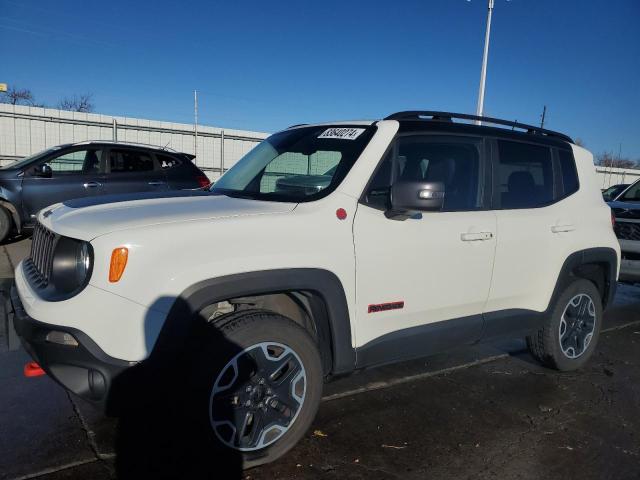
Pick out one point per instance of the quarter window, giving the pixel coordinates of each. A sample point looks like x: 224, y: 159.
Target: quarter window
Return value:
x: 525, y: 175
x: 569, y: 174
x: 130, y: 161
x: 166, y: 162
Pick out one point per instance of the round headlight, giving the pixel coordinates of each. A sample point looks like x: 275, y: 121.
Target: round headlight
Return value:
x: 72, y: 265
x: 83, y: 262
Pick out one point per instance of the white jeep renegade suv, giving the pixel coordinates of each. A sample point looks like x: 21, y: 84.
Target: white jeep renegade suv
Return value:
x: 327, y: 248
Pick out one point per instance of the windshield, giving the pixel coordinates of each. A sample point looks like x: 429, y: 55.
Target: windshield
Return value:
x: 31, y: 158
x: 632, y: 194
x: 296, y: 165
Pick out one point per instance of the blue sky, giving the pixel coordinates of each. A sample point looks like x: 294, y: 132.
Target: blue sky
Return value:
x: 265, y: 65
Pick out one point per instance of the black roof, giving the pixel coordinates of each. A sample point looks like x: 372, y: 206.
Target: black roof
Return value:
x: 420, y: 117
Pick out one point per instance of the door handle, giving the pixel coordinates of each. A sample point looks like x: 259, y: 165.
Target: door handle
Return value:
x: 155, y: 183
x: 562, y: 228
x: 476, y: 237
x: 92, y: 184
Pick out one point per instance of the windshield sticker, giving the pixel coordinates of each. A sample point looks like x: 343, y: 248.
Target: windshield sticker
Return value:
x: 342, y: 133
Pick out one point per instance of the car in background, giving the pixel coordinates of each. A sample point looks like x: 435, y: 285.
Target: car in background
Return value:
x: 626, y: 210
x: 613, y: 191
x: 89, y: 169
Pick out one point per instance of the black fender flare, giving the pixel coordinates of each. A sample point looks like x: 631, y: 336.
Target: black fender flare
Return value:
x: 509, y: 322
x: 326, y: 284
x: 601, y: 255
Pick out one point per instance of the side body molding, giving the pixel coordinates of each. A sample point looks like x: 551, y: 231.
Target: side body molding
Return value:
x: 322, y: 282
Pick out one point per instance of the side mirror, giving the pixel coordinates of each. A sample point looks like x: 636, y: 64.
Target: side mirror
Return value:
x: 44, y: 171
x: 409, y: 198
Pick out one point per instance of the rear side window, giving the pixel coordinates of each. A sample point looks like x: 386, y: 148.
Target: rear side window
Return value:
x: 525, y: 175
x: 130, y: 161
x: 570, y: 182
x: 166, y: 161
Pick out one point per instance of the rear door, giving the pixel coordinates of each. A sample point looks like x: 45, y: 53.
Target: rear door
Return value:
x: 536, y: 230
x: 76, y: 173
x: 133, y: 170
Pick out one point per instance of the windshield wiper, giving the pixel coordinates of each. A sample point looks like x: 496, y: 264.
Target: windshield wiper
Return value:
x: 236, y: 194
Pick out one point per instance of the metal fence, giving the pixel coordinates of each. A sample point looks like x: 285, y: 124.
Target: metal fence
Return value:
x: 608, y: 176
x: 28, y: 130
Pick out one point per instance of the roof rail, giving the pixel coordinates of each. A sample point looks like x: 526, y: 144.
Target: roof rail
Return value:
x: 449, y: 116
x: 125, y: 143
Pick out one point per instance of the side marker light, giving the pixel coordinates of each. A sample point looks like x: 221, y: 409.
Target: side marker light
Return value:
x: 119, y: 258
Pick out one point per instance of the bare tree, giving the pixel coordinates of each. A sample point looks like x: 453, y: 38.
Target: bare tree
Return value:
x: 17, y: 96
x: 608, y: 160
x: 77, y: 103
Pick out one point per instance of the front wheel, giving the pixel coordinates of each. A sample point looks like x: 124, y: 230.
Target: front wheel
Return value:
x: 570, y: 334
x: 260, y: 384
x: 6, y: 224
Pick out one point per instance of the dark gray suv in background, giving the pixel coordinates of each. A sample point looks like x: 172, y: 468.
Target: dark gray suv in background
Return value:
x: 88, y: 169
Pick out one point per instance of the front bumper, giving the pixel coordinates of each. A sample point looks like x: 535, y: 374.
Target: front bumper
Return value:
x: 83, y: 369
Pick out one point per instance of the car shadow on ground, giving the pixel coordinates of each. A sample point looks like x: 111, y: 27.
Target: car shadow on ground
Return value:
x: 163, y: 429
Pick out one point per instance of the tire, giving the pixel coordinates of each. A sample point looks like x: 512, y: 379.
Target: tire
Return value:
x: 258, y: 342
x: 6, y: 224
x: 570, y: 334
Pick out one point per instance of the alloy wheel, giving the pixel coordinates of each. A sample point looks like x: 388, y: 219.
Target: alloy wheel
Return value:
x: 577, y: 325
x: 257, y: 396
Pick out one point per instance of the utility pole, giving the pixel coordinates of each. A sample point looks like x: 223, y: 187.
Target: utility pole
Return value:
x: 195, y: 122
x: 544, y: 114
x: 483, y: 71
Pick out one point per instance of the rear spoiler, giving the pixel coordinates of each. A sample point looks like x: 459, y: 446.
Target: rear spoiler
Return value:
x: 188, y: 155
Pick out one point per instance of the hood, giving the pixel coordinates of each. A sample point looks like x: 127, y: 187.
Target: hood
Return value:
x: 89, y: 218
x: 625, y: 209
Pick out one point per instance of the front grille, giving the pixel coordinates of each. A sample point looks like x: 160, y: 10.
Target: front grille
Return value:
x: 40, y: 263
x: 627, y: 231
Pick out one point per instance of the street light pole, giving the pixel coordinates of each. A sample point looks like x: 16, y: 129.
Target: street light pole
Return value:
x: 195, y: 122
x: 483, y: 72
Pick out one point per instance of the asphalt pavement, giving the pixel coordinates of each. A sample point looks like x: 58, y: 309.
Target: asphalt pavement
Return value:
x: 483, y: 412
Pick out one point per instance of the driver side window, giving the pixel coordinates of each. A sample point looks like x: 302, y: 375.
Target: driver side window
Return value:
x: 75, y: 162
x: 454, y: 162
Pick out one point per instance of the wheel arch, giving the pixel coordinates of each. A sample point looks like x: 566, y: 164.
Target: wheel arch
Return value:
x: 598, y: 265
x: 327, y: 305
x: 17, y: 221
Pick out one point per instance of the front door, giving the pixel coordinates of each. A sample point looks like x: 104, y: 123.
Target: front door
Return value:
x: 75, y: 173
x: 422, y: 283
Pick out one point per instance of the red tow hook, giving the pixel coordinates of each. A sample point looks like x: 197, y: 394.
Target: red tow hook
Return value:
x: 32, y: 369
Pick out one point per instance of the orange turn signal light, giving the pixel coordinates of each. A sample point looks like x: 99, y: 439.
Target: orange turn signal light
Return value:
x: 119, y: 258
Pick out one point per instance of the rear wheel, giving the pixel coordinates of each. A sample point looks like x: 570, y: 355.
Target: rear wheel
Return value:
x: 6, y: 224
x: 259, y: 386
x: 570, y: 334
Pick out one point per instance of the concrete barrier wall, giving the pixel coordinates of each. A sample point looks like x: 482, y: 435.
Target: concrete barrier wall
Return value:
x: 28, y: 130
